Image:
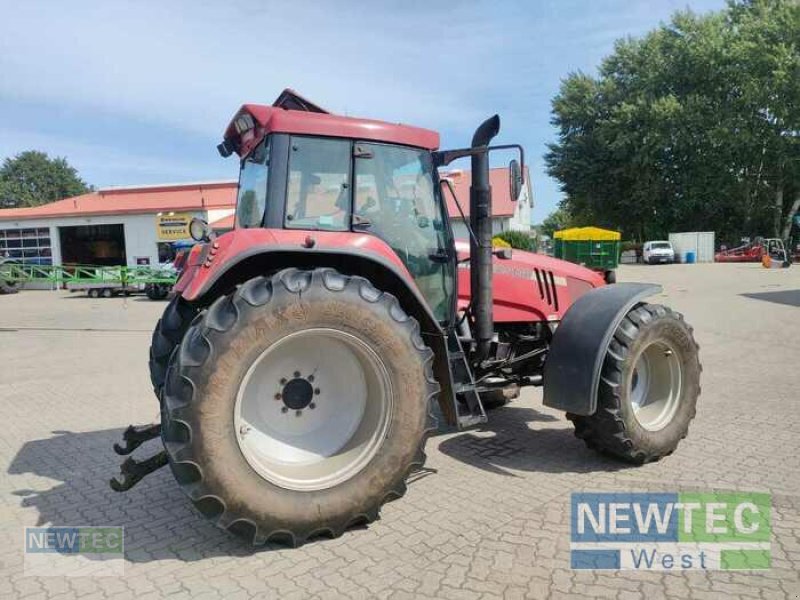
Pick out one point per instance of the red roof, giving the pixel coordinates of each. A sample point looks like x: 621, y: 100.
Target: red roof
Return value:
x: 502, y: 205
x: 224, y: 223
x: 270, y: 119
x: 134, y: 200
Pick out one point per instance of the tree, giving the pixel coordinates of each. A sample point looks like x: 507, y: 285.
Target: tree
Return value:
x: 695, y: 126
x: 32, y: 178
x: 557, y: 220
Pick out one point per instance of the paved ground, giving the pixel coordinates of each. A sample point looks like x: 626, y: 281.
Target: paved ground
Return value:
x: 489, y: 519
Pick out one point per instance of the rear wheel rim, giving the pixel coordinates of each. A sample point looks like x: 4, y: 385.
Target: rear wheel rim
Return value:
x: 313, y: 409
x: 656, y: 383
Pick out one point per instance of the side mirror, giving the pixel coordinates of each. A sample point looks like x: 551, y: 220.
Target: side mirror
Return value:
x: 200, y: 231
x: 515, y: 180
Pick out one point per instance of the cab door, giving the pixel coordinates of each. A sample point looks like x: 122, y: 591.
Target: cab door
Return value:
x: 395, y: 198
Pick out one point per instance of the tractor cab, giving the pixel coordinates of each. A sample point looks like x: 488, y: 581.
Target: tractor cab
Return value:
x: 315, y: 183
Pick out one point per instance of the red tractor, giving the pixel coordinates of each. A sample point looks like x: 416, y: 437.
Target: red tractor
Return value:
x: 299, y: 361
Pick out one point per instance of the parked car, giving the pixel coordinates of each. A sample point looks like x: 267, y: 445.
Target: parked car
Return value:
x: 658, y: 252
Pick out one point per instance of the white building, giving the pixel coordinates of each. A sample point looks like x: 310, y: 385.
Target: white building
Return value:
x: 117, y: 226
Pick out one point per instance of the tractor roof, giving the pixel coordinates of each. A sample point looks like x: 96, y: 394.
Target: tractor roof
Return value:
x: 291, y: 113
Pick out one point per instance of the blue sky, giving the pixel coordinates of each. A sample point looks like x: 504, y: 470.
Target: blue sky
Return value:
x: 140, y: 92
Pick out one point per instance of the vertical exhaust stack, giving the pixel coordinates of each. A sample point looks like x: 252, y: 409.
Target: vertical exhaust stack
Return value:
x: 480, y: 209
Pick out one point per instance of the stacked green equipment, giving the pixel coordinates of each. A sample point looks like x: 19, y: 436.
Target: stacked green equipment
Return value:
x: 595, y: 248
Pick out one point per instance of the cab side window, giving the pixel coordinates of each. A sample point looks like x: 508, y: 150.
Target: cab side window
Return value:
x: 252, y: 198
x: 319, y: 191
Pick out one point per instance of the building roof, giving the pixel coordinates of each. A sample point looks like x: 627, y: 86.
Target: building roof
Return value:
x: 224, y: 223
x: 502, y: 205
x: 134, y: 200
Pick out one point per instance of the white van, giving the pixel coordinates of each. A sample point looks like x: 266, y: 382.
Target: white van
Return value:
x: 658, y: 252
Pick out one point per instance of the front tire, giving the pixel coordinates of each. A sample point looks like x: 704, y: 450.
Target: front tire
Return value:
x: 243, y: 439
x: 167, y: 335
x: 648, y: 388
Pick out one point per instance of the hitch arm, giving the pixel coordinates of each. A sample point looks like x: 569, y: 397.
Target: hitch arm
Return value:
x: 133, y: 471
x: 136, y: 436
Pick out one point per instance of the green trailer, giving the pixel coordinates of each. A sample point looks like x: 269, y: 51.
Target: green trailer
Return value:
x: 595, y: 248
x: 96, y: 281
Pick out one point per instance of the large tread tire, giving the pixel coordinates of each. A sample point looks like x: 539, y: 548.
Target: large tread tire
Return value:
x: 167, y: 335
x: 614, y: 429
x: 211, y: 362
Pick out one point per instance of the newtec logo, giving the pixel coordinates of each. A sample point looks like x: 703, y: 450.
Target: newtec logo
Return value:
x: 670, y: 531
x: 74, y: 551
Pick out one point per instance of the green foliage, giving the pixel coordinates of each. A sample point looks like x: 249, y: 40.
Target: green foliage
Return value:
x: 32, y: 178
x: 695, y: 126
x: 517, y: 239
x: 559, y: 219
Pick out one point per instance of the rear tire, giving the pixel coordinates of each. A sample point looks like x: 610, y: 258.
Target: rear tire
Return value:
x: 243, y: 460
x: 648, y: 387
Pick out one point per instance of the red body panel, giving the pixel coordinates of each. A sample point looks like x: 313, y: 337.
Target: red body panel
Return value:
x: 518, y: 295
x: 269, y: 119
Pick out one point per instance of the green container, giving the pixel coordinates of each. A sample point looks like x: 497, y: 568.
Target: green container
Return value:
x: 599, y: 255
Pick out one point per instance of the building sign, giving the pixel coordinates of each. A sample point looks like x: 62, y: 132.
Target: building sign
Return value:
x: 173, y: 227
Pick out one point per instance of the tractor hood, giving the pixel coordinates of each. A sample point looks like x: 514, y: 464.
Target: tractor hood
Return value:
x: 530, y: 260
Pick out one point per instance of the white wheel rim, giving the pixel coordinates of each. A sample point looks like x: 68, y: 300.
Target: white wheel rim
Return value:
x: 313, y: 409
x: 655, y: 386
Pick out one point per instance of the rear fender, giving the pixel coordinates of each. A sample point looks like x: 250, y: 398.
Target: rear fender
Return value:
x: 381, y: 272
x: 575, y: 358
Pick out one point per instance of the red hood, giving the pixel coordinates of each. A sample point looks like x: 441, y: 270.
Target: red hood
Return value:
x: 542, y: 261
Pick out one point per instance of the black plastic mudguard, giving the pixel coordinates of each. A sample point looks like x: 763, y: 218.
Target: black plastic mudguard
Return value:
x: 575, y: 358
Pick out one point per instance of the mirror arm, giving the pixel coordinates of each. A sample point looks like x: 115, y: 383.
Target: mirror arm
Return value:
x: 442, y: 158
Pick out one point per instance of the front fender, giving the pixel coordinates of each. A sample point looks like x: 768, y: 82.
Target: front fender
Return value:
x: 575, y: 358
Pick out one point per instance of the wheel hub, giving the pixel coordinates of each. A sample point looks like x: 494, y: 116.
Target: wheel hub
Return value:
x: 656, y: 384
x: 297, y: 394
x: 313, y: 409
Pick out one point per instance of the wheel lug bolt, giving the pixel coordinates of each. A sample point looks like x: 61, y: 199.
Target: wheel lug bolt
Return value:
x: 316, y: 391
x: 296, y: 374
x: 278, y: 396
x: 283, y: 381
x: 312, y: 406
x: 297, y: 413
x: 284, y: 409
x: 310, y: 378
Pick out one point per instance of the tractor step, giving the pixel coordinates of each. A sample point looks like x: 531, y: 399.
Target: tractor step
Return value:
x: 469, y: 409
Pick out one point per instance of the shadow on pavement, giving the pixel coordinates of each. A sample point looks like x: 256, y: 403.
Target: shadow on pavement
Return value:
x: 159, y: 520
x: 514, y: 446
x: 787, y: 297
